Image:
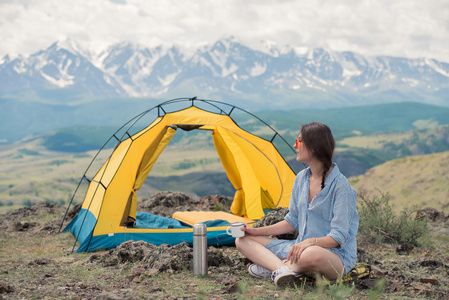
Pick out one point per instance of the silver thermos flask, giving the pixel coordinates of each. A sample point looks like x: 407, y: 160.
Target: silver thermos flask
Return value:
x: 199, y: 249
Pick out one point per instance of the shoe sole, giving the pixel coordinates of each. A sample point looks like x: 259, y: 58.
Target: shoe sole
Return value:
x: 286, y: 280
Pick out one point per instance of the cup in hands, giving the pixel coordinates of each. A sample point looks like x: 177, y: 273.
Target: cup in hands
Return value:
x: 236, y: 229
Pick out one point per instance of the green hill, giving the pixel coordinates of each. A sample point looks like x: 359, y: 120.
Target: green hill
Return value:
x: 413, y: 180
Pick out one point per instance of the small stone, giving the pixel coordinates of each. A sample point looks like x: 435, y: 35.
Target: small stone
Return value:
x: 377, y: 273
x: 431, y: 279
x: 232, y: 289
x: 421, y: 288
x: 108, y: 296
x: 40, y: 262
x: 139, y: 271
x: 425, y: 253
x: 152, y: 272
x: 82, y: 286
x: 405, y: 249
x: 4, y: 288
x: 368, y: 283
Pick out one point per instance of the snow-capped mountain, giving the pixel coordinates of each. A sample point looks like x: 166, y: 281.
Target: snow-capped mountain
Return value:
x: 227, y: 67
x: 57, y: 67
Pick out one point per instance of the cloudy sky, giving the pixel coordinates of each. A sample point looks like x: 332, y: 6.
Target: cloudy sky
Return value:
x: 409, y: 28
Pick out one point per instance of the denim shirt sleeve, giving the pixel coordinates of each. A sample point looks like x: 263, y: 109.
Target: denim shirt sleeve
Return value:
x: 344, y: 210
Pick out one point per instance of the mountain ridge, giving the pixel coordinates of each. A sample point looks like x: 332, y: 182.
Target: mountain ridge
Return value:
x: 287, y: 75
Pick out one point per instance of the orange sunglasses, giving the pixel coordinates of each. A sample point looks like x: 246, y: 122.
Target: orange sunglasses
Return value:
x: 298, y: 142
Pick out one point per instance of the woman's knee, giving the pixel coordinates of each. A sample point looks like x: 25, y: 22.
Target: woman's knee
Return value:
x: 314, y: 259
x: 240, y: 242
x: 310, y: 258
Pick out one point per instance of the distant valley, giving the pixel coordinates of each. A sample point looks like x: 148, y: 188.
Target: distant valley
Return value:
x: 388, y: 141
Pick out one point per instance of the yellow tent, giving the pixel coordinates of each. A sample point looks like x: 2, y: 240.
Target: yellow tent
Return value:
x: 260, y: 175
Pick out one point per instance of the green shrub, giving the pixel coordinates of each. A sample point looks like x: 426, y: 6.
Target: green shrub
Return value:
x: 218, y: 207
x: 28, y: 203
x: 381, y: 223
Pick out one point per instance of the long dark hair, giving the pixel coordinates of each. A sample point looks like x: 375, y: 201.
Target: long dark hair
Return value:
x: 319, y: 140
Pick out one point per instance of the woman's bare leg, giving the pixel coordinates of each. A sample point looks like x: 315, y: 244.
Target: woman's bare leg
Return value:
x: 253, y: 247
x: 316, y: 259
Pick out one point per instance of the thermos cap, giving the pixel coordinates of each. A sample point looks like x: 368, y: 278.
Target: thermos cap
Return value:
x: 199, y: 229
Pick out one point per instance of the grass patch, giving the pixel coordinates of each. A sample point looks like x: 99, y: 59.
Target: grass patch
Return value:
x: 39, y: 265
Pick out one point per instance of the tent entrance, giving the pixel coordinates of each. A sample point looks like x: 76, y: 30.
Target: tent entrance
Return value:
x: 238, y: 155
x: 189, y: 163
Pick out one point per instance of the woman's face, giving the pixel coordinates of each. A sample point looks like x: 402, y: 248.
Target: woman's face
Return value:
x: 302, y: 153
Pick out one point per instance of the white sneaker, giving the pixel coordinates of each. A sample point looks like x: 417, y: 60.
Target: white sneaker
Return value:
x: 283, y: 276
x: 259, y: 271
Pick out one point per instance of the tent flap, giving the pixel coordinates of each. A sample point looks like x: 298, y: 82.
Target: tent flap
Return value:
x: 230, y: 166
x: 148, y: 160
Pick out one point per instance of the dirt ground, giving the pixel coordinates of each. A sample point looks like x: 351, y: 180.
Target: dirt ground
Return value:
x: 36, y: 262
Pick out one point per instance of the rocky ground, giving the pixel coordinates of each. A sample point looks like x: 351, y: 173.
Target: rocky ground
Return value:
x: 36, y: 262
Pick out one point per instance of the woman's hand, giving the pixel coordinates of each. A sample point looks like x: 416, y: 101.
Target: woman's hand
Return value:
x: 275, y: 229
x: 249, y: 230
x: 297, y: 249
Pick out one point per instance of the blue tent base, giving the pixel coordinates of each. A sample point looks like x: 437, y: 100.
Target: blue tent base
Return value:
x: 174, y: 232
x: 104, y: 242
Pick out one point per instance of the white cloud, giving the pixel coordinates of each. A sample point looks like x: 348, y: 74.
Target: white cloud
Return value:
x: 408, y: 28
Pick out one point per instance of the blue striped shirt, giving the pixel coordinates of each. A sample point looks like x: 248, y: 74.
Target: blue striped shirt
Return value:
x: 332, y: 212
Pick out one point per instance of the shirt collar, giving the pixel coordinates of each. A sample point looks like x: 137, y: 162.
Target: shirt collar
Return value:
x: 332, y: 175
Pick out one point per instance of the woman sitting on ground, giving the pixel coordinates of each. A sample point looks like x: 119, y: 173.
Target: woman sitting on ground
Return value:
x: 323, y: 210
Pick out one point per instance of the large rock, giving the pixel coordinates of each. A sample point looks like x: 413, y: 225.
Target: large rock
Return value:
x: 432, y: 214
x: 273, y: 217
x: 40, y: 209
x: 127, y: 252
x: 163, y: 258
x: 167, y: 257
x: 217, y: 202
x: 166, y: 203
